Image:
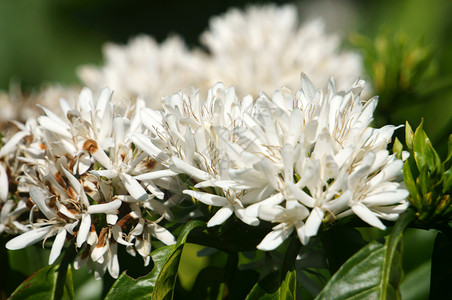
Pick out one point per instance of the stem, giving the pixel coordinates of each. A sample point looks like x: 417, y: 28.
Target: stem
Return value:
x: 290, y: 257
x: 230, y: 270
x: 68, y: 257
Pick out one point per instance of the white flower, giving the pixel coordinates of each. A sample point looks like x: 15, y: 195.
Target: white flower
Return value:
x: 264, y: 48
x: 144, y: 68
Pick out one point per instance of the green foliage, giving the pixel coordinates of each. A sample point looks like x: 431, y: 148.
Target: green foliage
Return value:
x: 374, y: 272
x: 159, y: 283
x: 43, y: 285
x: 427, y: 178
x: 403, y: 72
x: 264, y: 288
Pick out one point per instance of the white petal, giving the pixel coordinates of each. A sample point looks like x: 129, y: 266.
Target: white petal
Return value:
x: 155, y: 175
x: 39, y: 199
x: 274, y: 239
x: 100, y: 156
x: 181, y: 166
x: 270, y: 212
x: 83, y: 231
x: 112, y: 218
x: 30, y: 237
x: 105, y: 207
x: 63, y: 209
x: 253, y: 210
x: 162, y: 234
x: 113, y: 264
x: 386, y: 198
x: 221, y: 215
x: 367, y: 216
x: 301, y: 195
x: 117, y: 235
x: 133, y: 187
x: 106, y: 173
x: 145, y: 144
x: 98, y: 253
x: 53, y: 126
x: 313, y: 222
x: 57, y: 246
x: 207, y: 198
x: 11, y: 145
x: 4, y: 184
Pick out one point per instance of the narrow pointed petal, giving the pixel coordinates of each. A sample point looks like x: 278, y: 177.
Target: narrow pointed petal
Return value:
x: 181, y: 166
x: 11, y: 145
x: 314, y: 221
x: 30, y: 237
x: 57, y: 246
x: 4, y: 184
x: 386, y: 198
x: 367, y: 216
x: 106, y: 173
x: 220, y: 217
x: 105, y: 207
x: 162, y: 234
x: 207, y: 198
x: 133, y: 187
x: 155, y: 175
x: 39, y: 199
x: 274, y: 239
x: 113, y: 264
x: 83, y: 231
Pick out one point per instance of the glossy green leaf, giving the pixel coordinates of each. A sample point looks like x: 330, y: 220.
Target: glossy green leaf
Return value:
x: 43, y: 285
x: 374, y: 272
x: 160, y: 281
x: 141, y: 288
x: 287, y: 289
x: 164, y: 286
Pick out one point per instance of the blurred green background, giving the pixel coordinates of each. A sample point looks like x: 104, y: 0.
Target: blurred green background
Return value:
x: 45, y: 41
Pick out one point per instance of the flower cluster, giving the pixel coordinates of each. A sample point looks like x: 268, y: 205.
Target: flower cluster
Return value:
x: 295, y: 159
x: 75, y: 180
x: 260, y: 49
x: 110, y: 170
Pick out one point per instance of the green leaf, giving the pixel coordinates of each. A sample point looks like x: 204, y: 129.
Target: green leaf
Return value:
x: 397, y: 148
x: 374, y: 272
x: 409, y: 136
x: 141, y: 288
x: 160, y: 281
x: 43, y: 285
x: 287, y: 289
x: 424, y: 153
x: 447, y: 184
x: 411, y: 185
x: 441, y: 272
x: 164, y: 286
x: 340, y: 244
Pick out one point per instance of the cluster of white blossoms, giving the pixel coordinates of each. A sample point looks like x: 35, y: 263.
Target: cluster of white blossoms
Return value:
x: 259, y: 49
x: 105, y: 170
x: 295, y: 159
x: 111, y: 172
x: 75, y: 179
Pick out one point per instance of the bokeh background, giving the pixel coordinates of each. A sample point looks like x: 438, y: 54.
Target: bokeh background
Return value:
x: 43, y: 42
